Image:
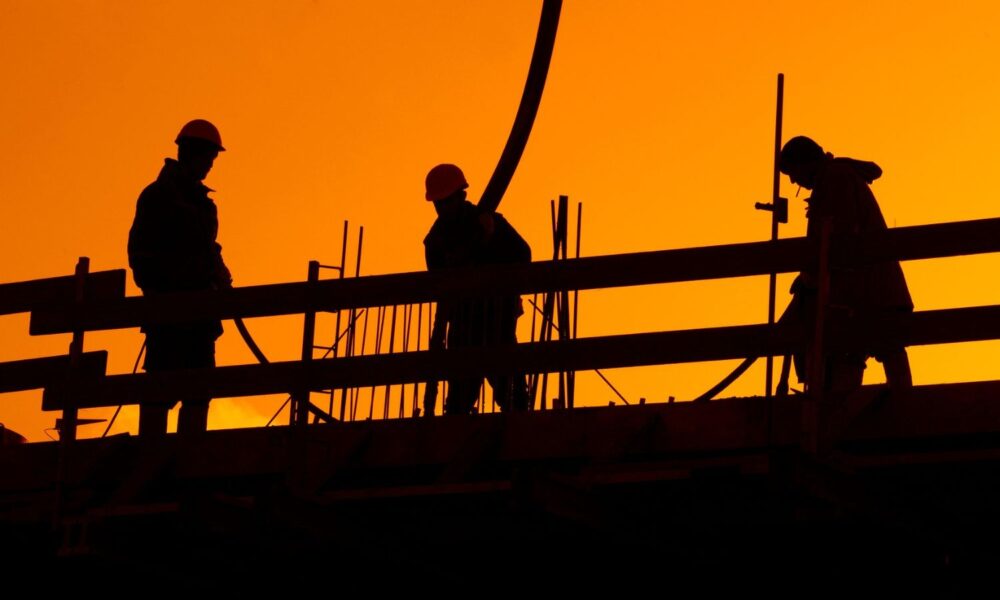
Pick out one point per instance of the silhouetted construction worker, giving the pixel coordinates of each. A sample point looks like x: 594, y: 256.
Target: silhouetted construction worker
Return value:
x: 463, y: 236
x: 172, y: 248
x: 840, y: 194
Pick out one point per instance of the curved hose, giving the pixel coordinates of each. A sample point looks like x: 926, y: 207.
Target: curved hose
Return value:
x: 530, y: 99
x: 782, y: 388
x: 251, y: 344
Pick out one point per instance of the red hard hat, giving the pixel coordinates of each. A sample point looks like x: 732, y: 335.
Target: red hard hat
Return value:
x: 443, y: 181
x: 200, y: 129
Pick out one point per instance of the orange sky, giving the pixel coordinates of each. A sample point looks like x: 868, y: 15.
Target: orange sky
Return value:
x: 657, y: 115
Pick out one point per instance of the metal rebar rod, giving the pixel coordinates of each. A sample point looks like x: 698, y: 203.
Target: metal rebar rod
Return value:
x: 352, y: 338
x: 407, y: 317
x: 378, y: 347
x: 533, y: 377
x: 278, y: 412
x: 548, y: 301
x: 576, y: 301
x: 563, y: 312
x: 772, y: 280
x: 431, y: 309
x: 357, y: 391
x: 416, y: 384
x: 611, y: 385
x: 392, y: 347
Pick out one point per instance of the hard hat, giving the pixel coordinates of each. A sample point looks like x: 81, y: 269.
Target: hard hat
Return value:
x: 443, y: 181
x: 200, y: 129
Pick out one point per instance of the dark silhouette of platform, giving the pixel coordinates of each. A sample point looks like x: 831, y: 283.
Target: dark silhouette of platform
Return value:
x: 805, y: 495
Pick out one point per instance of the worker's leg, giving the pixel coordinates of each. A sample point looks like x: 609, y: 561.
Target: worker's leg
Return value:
x: 199, y: 354
x: 193, y: 417
x: 161, y: 354
x: 153, y: 419
x: 462, y: 395
x: 510, y: 392
x: 897, y: 372
x: 845, y: 373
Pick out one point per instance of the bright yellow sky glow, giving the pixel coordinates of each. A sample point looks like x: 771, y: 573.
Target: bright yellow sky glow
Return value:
x: 658, y: 116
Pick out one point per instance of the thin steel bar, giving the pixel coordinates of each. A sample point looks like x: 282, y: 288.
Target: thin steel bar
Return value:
x: 392, y: 347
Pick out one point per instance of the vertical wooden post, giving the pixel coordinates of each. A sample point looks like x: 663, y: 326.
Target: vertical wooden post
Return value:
x: 68, y: 423
x: 67, y: 431
x: 300, y: 400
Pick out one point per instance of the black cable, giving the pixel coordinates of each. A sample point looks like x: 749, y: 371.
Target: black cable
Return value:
x: 135, y: 369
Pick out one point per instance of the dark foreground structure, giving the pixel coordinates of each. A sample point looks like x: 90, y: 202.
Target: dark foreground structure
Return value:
x: 674, y: 496
x: 803, y: 495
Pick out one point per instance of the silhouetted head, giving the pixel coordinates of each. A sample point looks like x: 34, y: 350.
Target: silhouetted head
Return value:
x: 446, y: 185
x: 801, y: 159
x: 450, y: 205
x: 198, y: 144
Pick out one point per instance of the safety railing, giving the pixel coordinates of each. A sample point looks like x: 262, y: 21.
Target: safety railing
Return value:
x: 85, y: 387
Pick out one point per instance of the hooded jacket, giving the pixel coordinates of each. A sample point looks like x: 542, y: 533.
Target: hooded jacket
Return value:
x: 171, y: 245
x: 841, y: 194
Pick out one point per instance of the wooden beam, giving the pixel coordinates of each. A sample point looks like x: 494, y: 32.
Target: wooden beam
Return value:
x: 920, y: 242
x: 38, y: 373
x: 946, y: 326
x: 938, y: 417
x: 26, y: 296
x: 664, y: 266
x: 695, y: 345
x: 281, y: 377
x: 622, y: 270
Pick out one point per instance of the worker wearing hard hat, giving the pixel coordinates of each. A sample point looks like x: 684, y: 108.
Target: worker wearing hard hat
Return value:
x: 465, y: 236
x: 172, y: 248
x: 841, y: 196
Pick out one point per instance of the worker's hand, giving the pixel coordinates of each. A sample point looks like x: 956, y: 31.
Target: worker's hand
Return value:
x: 488, y: 224
x: 223, y: 278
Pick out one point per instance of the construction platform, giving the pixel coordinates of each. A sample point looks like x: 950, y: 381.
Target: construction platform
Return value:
x: 815, y: 494
x: 713, y: 495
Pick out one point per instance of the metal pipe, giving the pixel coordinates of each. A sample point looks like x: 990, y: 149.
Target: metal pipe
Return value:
x: 392, y: 346
x: 378, y: 347
x: 531, y: 97
x: 776, y: 214
x: 416, y: 385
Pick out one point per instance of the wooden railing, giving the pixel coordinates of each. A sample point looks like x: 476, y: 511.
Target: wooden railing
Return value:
x: 58, y: 306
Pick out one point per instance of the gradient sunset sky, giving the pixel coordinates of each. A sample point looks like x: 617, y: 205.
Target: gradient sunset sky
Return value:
x: 658, y: 116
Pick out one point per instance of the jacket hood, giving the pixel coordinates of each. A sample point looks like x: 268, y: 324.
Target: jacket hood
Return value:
x: 866, y: 170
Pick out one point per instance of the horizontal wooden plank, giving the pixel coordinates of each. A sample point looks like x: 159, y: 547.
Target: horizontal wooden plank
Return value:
x: 643, y: 268
x: 696, y: 345
x: 938, y: 416
x: 945, y: 326
x: 279, y: 377
x: 920, y: 242
x: 620, y: 270
x: 26, y: 296
x: 37, y: 373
